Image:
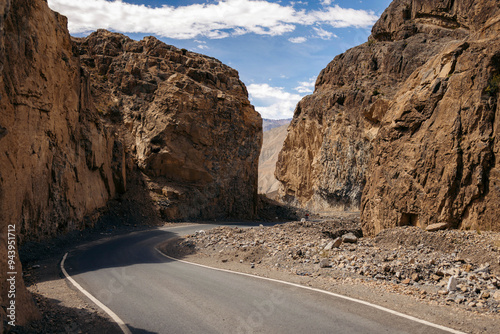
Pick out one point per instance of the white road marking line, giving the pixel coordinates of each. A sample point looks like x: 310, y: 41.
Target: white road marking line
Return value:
x: 409, y: 317
x: 106, y: 309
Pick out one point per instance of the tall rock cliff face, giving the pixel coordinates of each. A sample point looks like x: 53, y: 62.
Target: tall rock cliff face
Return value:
x: 186, y: 121
x: 75, y: 115
x: 57, y: 161
x: 434, y: 158
x: 325, y: 156
x: 403, y: 125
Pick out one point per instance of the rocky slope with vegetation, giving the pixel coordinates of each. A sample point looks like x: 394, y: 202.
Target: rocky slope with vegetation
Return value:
x: 403, y: 127
x: 81, y: 118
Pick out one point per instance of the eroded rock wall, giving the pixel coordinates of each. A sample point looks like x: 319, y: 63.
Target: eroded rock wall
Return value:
x: 76, y: 116
x: 56, y: 158
x: 323, y: 163
x: 379, y: 127
x: 434, y: 159
x: 187, y: 123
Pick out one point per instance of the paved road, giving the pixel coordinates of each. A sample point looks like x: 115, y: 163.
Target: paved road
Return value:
x: 152, y: 294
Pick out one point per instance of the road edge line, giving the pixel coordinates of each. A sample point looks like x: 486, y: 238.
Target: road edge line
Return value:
x: 103, y: 307
x: 385, y: 309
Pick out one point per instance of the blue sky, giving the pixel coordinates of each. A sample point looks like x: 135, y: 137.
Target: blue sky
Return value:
x: 278, y: 47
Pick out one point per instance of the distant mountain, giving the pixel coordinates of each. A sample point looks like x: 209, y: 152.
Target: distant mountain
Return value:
x: 268, y: 124
x: 271, y: 146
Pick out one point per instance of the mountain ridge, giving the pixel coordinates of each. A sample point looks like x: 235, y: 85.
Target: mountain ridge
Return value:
x: 271, y: 146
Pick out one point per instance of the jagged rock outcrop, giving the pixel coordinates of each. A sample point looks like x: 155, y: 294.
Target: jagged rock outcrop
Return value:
x: 434, y: 158
x: 186, y: 120
x: 323, y: 163
x: 75, y: 115
x: 57, y: 161
x: 406, y: 119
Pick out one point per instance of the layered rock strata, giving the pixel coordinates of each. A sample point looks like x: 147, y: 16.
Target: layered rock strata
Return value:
x: 186, y: 121
x: 403, y: 126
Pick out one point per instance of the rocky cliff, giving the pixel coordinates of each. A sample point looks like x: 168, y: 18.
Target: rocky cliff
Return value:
x: 402, y: 126
x: 77, y: 117
x: 57, y: 161
x: 186, y: 121
x: 434, y: 158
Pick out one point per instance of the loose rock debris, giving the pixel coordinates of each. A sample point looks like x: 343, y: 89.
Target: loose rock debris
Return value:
x: 444, y: 267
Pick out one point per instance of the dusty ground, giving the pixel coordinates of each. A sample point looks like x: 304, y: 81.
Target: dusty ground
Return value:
x: 64, y: 310
x: 405, y: 269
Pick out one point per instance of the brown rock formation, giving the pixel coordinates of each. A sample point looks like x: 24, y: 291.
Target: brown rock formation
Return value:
x: 410, y: 114
x: 186, y: 120
x: 75, y: 115
x: 56, y: 158
x: 434, y: 159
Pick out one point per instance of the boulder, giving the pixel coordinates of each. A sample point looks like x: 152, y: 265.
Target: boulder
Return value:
x: 323, y: 263
x: 452, y: 284
x: 496, y: 295
x: 334, y: 244
x: 437, y: 227
x: 349, y: 238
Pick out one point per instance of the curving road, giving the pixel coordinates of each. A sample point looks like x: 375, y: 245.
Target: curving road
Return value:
x: 153, y: 294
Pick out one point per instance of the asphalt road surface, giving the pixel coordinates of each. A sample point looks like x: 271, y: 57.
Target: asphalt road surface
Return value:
x: 153, y: 294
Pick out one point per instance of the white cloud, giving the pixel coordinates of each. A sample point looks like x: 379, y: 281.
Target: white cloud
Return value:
x: 221, y: 19
x: 297, y: 39
x: 339, y: 17
x: 305, y: 87
x: 273, y: 102
x: 324, y: 34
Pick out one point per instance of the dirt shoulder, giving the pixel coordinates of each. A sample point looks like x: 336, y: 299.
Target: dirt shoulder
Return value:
x: 63, y: 308
x: 404, y: 269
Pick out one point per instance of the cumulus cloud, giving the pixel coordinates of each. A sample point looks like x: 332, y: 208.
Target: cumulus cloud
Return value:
x: 306, y: 87
x: 339, y: 17
x: 273, y: 102
x: 297, y: 40
x: 221, y: 19
x: 324, y: 34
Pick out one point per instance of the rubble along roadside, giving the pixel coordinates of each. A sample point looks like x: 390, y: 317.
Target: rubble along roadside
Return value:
x: 456, y: 269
